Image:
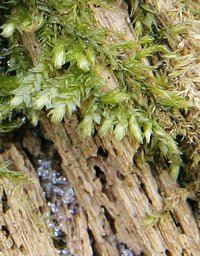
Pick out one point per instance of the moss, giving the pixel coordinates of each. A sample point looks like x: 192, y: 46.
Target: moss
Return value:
x: 67, y: 75
x: 13, y: 176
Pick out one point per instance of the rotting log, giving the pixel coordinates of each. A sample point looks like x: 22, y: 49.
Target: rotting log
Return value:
x: 116, y: 189
x: 117, y: 193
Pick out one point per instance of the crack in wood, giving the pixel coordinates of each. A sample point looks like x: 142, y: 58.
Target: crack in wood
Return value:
x: 110, y: 220
x: 106, y: 188
x: 177, y: 223
x: 144, y: 190
x: 92, y: 242
x: 167, y: 252
x: 5, y: 230
x: 103, y: 152
x: 4, y: 200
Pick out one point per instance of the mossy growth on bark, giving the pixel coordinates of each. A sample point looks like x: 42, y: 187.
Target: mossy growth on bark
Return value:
x: 14, y: 176
x: 54, y: 55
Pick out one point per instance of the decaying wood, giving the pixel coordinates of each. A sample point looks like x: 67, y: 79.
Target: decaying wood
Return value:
x: 22, y: 212
x: 117, y: 195
x: 116, y: 191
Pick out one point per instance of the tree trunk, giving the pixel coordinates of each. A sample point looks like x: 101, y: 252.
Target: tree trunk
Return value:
x: 123, y: 205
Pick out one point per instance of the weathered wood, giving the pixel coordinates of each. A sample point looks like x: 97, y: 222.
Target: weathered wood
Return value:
x: 23, y: 212
x: 117, y: 195
x: 116, y: 190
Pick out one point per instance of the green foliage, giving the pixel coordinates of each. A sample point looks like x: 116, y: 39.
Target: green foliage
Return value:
x: 14, y: 176
x: 67, y: 77
x: 155, y: 219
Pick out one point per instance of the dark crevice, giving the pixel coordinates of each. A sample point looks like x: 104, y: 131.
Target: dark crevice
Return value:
x: 92, y: 242
x: 168, y: 253
x: 78, y: 116
x: 95, y: 132
x: 102, y: 152
x: 130, y: 7
x: 46, y: 149
x: 106, y: 189
x: 179, y: 138
x: 5, y: 229
x: 20, y: 212
x: 194, y: 204
x: 115, y: 151
x: 41, y: 209
x: 2, y: 148
x: 137, y: 154
x: 159, y: 191
x: 5, y: 205
x: 153, y: 169
x: 100, y: 174
x: 143, y: 188
x: 110, y: 220
x: 177, y: 223
x: 66, y: 66
x: 58, y: 242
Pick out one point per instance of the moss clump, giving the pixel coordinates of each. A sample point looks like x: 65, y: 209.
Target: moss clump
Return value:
x: 68, y: 50
x: 14, y: 176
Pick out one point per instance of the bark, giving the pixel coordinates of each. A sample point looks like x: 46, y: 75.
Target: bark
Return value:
x: 116, y: 189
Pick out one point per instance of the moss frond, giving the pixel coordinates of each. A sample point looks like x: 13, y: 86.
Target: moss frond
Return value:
x: 13, y: 176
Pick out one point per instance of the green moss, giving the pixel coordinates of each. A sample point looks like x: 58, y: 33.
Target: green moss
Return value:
x: 72, y: 48
x: 14, y: 176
